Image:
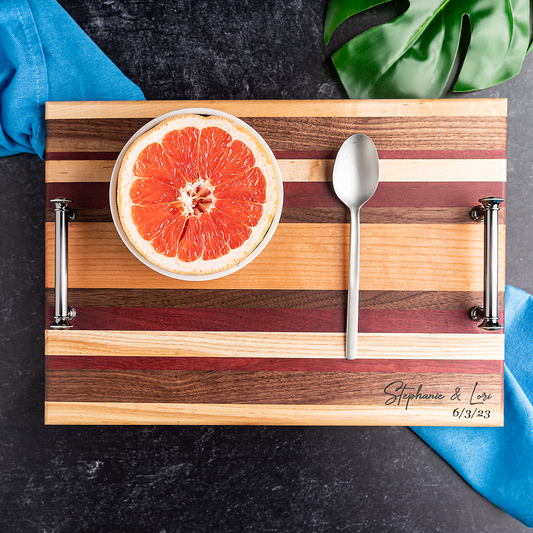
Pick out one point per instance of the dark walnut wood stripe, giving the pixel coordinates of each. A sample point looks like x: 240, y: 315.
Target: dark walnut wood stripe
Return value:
x: 331, y: 215
x: 391, y: 154
x: 81, y: 156
x: 396, y: 195
x: 270, y: 320
x: 85, y: 214
x: 261, y: 387
x: 304, y: 133
x: 260, y: 364
x: 388, y: 133
x: 310, y: 154
x: 271, y: 299
x: 372, y: 215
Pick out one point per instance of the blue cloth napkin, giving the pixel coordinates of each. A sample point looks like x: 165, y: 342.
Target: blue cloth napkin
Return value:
x: 498, y: 462
x: 46, y: 56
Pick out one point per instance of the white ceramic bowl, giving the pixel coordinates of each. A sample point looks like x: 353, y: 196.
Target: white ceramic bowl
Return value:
x: 192, y: 277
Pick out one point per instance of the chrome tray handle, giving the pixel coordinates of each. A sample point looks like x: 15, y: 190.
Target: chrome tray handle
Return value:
x: 63, y: 313
x: 488, y: 314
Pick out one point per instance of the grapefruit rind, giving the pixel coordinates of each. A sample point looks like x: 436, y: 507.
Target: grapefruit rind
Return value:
x: 126, y: 177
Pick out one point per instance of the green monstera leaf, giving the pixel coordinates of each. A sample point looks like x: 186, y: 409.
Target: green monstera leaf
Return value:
x: 413, y: 55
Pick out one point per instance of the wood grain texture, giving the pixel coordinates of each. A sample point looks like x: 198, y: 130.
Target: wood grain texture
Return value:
x: 303, y: 133
x: 251, y: 364
x: 330, y: 215
x: 289, y: 388
x: 426, y: 170
x: 271, y: 299
x: 301, y: 195
x: 368, y: 215
x: 328, y: 154
x: 332, y: 154
x: 465, y: 107
x: 89, y: 413
x: 78, y: 171
x: 436, y: 257
x: 260, y: 320
x: 291, y: 345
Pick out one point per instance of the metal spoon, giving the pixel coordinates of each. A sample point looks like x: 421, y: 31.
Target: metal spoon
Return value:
x: 355, y: 179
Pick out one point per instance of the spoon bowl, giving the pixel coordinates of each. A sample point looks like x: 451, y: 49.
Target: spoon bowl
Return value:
x: 355, y: 180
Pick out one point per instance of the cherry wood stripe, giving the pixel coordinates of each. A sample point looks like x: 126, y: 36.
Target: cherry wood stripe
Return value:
x: 457, y: 107
x: 296, y: 134
x: 250, y: 364
x: 258, y: 387
x: 270, y: 320
x: 273, y: 344
x: 271, y: 299
x: 137, y: 413
x: 320, y: 194
x: 430, y: 257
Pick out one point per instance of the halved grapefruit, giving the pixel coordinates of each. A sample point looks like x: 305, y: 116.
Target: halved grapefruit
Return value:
x: 197, y: 194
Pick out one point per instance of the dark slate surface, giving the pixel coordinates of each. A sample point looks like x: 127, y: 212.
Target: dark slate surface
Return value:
x: 182, y: 479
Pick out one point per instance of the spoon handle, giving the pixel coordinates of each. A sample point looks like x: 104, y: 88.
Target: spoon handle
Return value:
x: 352, y: 315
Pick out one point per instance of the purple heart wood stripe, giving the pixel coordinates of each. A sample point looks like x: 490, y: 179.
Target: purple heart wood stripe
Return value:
x: 271, y: 320
x: 251, y: 364
x: 321, y: 194
x: 315, y: 202
x: 266, y: 345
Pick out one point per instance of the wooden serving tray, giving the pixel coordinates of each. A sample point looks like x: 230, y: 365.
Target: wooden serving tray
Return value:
x: 266, y: 345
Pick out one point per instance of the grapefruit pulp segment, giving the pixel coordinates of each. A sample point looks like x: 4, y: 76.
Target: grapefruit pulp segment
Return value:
x: 237, y: 160
x: 215, y: 244
x: 166, y: 242
x: 153, y: 162
x: 146, y: 191
x: 213, y: 145
x: 152, y: 219
x: 182, y: 147
x: 235, y: 233
x: 242, y: 211
x: 191, y: 245
x: 248, y: 186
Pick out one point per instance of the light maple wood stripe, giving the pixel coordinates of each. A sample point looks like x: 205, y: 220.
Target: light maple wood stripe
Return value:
x: 433, y: 257
x: 274, y: 344
x: 403, y: 170
x: 78, y: 171
x: 285, y: 108
x: 86, y: 413
x: 311, y: 170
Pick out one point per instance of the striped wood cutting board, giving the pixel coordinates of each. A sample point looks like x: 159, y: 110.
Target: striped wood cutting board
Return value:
x: 266, y: 344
